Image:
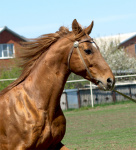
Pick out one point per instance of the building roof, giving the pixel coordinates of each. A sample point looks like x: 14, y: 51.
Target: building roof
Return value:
x: 116, y: 39
x: 120, y: 37
x: 6, y: 28
x: 128, y: 39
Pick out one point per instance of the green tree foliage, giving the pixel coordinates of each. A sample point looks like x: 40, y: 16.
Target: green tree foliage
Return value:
x: 75, y: 85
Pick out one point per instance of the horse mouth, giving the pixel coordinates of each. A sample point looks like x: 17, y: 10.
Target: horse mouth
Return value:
x: 102, y: 86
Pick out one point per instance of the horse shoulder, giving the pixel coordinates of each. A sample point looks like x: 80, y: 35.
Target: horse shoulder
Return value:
x: 24, y: 122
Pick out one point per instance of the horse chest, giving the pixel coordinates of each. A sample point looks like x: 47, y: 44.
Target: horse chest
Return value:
x: 52, y: 133
x: 28, y: 127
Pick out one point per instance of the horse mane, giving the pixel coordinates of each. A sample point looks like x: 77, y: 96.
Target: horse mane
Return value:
x: 31, y: 50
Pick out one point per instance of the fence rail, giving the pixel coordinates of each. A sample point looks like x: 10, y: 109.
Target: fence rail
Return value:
x: 92, y: 95
x: 81, y: 80
x: 7, y: 79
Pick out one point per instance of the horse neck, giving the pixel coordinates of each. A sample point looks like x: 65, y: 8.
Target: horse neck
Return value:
x: 46, y: 82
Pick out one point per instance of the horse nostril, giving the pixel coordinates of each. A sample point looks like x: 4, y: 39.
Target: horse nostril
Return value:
x: 109, y: 81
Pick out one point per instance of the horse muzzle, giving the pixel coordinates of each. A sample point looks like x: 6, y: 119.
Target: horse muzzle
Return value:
x: 108, y: 85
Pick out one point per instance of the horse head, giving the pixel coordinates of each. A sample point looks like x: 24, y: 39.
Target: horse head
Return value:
x: 86, y: 60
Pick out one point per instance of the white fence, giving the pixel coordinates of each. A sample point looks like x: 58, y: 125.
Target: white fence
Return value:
x: 1, y: 80
x: 121, y: 81
x: 117, y: 77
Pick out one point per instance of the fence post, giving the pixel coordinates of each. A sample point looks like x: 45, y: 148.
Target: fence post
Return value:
x: 79, y: 100
x: 91, y: 91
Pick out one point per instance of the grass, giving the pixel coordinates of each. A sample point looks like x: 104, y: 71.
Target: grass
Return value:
x: 111, y: 127
x: 10, y: 73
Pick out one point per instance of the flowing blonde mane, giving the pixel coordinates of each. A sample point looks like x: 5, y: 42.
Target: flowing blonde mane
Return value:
x: 33, y: 49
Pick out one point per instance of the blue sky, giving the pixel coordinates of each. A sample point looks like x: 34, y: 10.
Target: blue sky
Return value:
x: 32, y: 18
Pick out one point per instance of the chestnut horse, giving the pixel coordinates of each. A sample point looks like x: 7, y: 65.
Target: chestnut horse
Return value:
x: 30, y: 114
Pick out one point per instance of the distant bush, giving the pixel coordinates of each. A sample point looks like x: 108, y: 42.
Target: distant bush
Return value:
x: 75, y: 85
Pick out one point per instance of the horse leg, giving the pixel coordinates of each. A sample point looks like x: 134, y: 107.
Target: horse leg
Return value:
x: 63, y: 147
x: 59, y: 146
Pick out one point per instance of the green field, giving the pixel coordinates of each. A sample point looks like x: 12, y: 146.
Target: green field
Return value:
x: 110, y: 127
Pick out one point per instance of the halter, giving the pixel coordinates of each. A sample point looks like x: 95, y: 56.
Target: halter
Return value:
x: 76, y: 45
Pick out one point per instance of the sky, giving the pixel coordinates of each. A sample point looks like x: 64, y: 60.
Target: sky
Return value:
x: 32, y: 18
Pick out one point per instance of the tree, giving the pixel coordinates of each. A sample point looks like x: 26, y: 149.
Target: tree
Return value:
x: 117, y: 58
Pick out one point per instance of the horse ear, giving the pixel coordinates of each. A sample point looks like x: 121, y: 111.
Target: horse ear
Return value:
x: 89, y: 28
x: 76, y: 28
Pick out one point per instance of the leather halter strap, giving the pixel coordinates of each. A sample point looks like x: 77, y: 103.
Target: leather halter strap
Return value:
x: 76, y: 45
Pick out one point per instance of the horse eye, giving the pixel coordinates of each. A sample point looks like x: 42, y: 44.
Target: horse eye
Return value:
x: 88, y: 51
